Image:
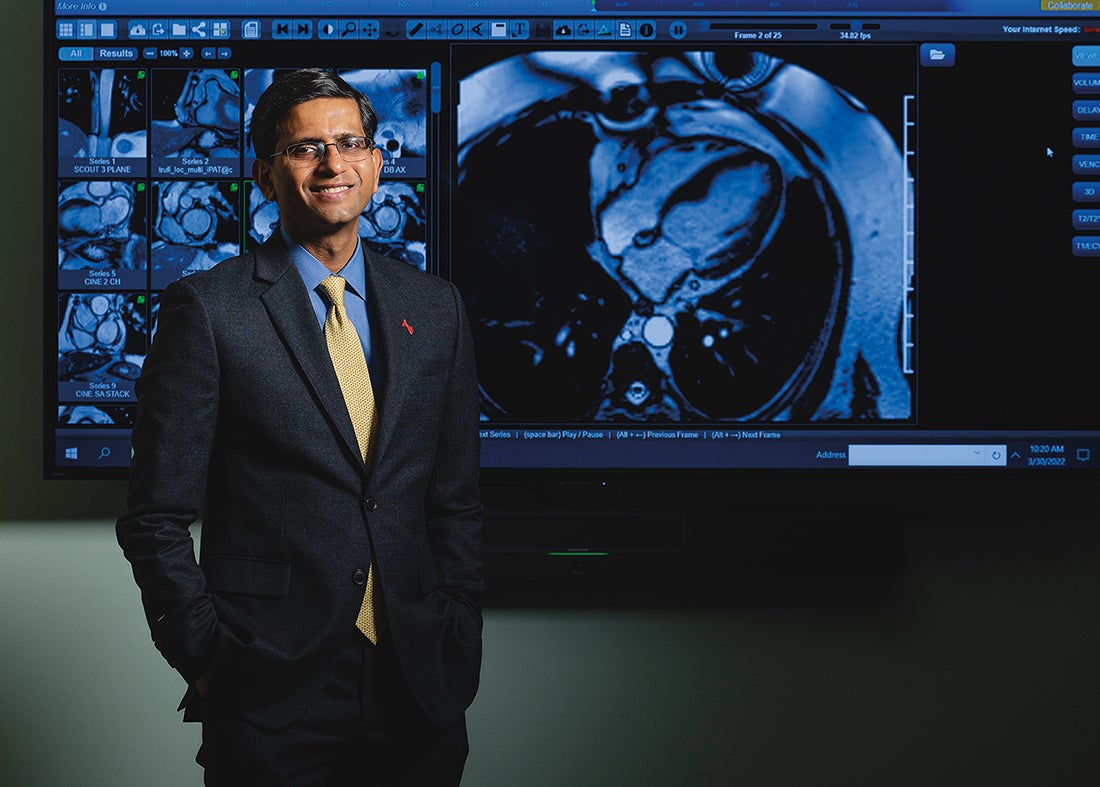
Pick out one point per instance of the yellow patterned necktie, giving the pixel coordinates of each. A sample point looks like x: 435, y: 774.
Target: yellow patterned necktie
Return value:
x: 346, y: 350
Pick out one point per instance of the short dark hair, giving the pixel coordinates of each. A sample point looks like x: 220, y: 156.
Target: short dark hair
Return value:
x: 291, y: 88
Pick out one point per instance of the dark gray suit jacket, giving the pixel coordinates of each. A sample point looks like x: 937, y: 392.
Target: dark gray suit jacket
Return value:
x: 240, y: 422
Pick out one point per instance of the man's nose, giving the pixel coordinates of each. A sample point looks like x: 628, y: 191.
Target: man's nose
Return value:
x: 332, y: 159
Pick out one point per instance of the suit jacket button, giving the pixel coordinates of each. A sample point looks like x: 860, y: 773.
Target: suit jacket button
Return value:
x: 359, y: 577
x: 371, y: 504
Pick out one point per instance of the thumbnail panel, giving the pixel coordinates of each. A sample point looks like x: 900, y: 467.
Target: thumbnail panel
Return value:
x: 195, y: 125
x: 101, y: 125
x: 101, y: 234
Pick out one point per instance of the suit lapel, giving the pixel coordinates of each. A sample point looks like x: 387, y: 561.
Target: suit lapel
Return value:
x: 288, y: 305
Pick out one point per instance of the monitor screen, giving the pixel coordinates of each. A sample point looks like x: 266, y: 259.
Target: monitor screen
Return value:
x: 697, y: 237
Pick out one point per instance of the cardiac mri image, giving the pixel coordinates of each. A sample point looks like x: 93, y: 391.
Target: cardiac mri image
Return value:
x: 101, y: 225
x: 196, y: 225
x: 393, y: 223
x: 94, y: 415
x: 677, y: 237
x: 400, y: 98
x: 196, y: 114
x: 101, y: 337
x: 101, y: 113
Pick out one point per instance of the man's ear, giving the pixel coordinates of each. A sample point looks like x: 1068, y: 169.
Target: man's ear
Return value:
x: 261, y: 174
x: 379, y: 160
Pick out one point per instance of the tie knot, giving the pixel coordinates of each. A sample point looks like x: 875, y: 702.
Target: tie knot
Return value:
x: 334, y: 289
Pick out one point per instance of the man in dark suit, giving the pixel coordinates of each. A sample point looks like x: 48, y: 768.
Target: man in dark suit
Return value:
x: 330, y: 631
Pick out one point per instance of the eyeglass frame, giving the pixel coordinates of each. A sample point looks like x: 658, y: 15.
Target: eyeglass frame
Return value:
x: 315, y: 145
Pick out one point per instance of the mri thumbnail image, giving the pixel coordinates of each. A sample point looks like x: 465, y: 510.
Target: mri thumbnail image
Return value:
x: 101, y: 337
x: 195, y: 114
x: 400, y: 99
x: 711, y: 236
x: 263, y: 216
x: 95, y: 415
x: 196, y: 225
x: 102, y: 113
x: 101, y: 225
x: 394, y: 223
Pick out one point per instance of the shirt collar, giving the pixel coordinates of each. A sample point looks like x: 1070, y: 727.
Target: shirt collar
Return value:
x: 313, y: 272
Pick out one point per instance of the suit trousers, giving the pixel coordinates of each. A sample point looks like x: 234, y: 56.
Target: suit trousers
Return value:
x: 363, y: 728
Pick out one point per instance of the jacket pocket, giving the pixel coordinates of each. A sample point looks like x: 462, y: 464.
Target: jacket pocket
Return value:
x: 255, y: 576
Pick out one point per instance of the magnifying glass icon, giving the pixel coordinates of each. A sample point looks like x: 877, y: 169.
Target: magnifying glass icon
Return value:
x: 350, y: 28
x: 104, y: 452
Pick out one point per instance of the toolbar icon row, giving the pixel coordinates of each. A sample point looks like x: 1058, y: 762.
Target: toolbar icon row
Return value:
x: 363, y: 29
x: 604, y: 29
x: 468, y: 29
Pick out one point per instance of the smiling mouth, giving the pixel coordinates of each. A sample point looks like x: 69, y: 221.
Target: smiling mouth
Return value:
x: 332, y: 189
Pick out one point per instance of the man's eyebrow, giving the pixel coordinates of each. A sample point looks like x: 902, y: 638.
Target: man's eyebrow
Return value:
x: 338, y: 137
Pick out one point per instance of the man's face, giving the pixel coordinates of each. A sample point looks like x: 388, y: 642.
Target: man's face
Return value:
x: 323, y: 199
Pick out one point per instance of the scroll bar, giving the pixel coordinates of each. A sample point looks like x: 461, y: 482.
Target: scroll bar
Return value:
x: 927, y: 455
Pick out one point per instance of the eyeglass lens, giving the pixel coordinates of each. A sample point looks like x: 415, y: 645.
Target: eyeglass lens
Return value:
x: 350, y: 149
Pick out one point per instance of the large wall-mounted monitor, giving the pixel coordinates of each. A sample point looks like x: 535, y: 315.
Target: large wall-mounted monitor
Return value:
x: 693, y: 237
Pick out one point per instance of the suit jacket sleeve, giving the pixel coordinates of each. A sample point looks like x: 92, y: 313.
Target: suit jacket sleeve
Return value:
x: 172, y: 440
x: 444, y: 670
x: 453, y: 503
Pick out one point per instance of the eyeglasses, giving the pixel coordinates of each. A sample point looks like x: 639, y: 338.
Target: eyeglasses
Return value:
x: 303, y: 154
